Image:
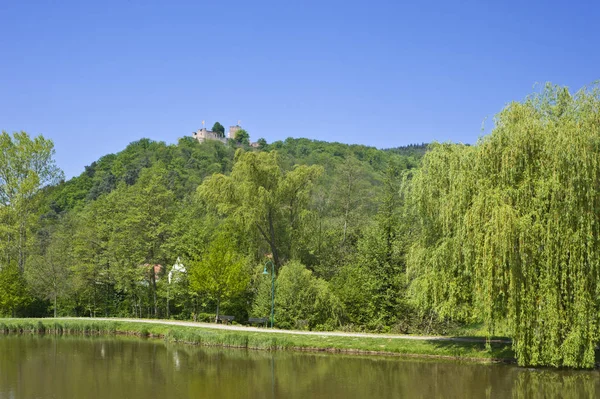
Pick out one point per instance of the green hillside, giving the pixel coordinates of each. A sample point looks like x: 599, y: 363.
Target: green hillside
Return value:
x: 497, y: 237
x: 94, y: 238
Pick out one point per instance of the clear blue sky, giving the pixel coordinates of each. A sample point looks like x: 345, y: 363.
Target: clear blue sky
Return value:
x: 94, y: 76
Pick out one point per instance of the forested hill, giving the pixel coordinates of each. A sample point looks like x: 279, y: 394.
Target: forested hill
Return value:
x: 328, y: 215
x: 188, y: 162
x: 505, y: 232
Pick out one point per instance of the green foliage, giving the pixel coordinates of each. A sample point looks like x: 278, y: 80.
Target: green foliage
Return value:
x: 350, y: 196
x: 373, y: 282
x: 48, y: 270
x: 330, y: 154
x: 101, y: 243
x: 501, y: 233
x: 136, y: 208
x: 509, y: 227
x: 219, y: 129
x: 301, y: 300
x: 262, y: 143
x: 13, y: 290
x: 242, y: 137
x: 261, y: 196
x: 372, y: 285
x: 412, y: 150
x: 220, y: 272
x: 187, y: 164
x: 26, y: 166
x: 191, y: 229
x: 177, y: 296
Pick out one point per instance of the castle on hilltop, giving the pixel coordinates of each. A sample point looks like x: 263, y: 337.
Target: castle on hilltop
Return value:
x: 205, y: 134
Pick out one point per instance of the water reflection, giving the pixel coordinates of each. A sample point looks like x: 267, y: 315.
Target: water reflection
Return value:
x: 79, y: 367
x: 176, y: 360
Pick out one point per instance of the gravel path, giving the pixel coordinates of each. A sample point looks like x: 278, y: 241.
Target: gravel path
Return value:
x: 294, y: 332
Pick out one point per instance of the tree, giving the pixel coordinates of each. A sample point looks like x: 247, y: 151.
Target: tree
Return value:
x: 350, y: 194
x: 372, y: 283
x: 142, y: 216
x: 13, y: 289
x: 119, y: 239
x: 299, y: 298
x: 219, y: 129
x: 510, y: 228
x: 26, y: 166
x: 93, y: 273
x: 260, y: 195
x: 242, y: 137
x: 48, y: 273
x: 262, y: 143
x: 220, y: 271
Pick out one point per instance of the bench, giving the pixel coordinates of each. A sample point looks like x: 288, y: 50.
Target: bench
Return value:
x: 258, y: 320
x: 226, y: 319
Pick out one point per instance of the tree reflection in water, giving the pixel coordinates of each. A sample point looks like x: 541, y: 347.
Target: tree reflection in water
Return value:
x: 93, y: 367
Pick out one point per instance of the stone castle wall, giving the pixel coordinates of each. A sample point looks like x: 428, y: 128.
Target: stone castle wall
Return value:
x: 204, y: 134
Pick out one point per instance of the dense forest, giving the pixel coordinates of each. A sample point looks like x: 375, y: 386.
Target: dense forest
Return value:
x: 418, y: 239
x: 104, y: 242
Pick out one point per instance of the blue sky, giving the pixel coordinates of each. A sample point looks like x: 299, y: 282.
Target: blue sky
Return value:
x: 94, y: 76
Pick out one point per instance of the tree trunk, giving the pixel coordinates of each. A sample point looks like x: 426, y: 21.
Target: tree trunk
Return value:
x: 196, y: 309
x: 345, y: 228
x: 218, y: 305
x: 93, y: 310
x: 55, y: 306
x: 168, y: 297
x: 21, y: 258
x: 154, y: 293
x: 270, y: 238
x: 272, y: 241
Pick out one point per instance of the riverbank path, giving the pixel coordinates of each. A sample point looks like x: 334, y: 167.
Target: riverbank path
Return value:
x: 292, y: 332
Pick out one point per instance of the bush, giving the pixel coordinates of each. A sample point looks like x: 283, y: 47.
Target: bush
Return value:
x: 301, y: 300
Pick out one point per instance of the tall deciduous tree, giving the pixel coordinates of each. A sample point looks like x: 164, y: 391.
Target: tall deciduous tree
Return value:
x: 26, y: 165
x: 48, y: 272
x: 259, y: 194
x: 373, y: 282
x: 350, y: 194
x: 511, y: 227
x: 220, y: 272
x: 143, y: 214
x: 93, y: 272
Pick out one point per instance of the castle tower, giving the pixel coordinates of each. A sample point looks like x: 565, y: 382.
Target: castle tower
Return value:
x: 201, y: 134
x: 233, y: 131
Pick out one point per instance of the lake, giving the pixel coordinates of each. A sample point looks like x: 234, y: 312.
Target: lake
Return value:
x: 40, y: 367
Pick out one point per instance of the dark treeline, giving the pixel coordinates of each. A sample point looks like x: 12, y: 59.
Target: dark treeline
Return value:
x: 503, y: 234
x: 410, y: 150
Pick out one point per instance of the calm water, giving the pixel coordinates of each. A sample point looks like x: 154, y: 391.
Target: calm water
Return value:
x: 79, y: 367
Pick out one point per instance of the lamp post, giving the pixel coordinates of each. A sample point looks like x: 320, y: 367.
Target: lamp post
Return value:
x: 272, y: 287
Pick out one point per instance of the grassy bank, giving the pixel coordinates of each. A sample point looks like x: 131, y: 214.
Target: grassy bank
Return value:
x: 474, y: 351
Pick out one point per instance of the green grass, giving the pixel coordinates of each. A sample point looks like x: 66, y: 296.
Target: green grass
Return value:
x: 473, y: 351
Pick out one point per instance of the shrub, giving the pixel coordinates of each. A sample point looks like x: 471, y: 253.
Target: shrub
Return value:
x: 301, y: 300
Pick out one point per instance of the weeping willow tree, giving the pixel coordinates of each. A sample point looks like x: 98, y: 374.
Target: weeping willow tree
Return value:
x: 510, y: 228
